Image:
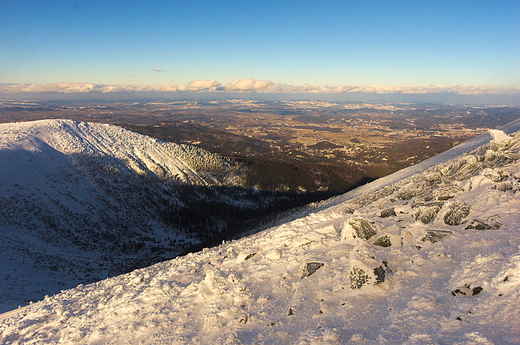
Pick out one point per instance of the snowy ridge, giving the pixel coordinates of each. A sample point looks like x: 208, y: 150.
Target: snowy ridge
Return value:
x: 458, y: 150
x: 431, y: 258
x: 79, y: 200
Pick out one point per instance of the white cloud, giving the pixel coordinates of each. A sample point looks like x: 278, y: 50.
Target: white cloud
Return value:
x: 250, y: 84
x: 253, y: 85
x: 203, y: 84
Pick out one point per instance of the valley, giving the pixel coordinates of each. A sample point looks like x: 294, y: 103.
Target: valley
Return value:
x: 293, y: 146
x: 82, y: 201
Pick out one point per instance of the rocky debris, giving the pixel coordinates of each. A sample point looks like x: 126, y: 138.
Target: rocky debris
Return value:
x: 383, y: 241
x: 362, y: 228
x: 446, y: 193
x: 435, y: 236
x: 348, y: 210
x: 310, y: 268
x: 497, y: 177
x: 478, y: 225
x: 380, y: 274
x: 429, y: 204
x: 456, y: 212
x: 426, y: 214
x: 389, y: 212
x: 414, y: 189
x: 504, y: 186
x: 467, y: 291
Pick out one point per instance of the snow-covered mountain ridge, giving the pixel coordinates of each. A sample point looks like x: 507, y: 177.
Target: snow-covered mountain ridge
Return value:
x: 432, y: 258
x: 83, y: 201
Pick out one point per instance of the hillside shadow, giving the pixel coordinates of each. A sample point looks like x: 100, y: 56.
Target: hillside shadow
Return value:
x: 87, y: 217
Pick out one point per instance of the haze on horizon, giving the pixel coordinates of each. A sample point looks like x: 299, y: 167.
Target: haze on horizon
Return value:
x: 431, y: 51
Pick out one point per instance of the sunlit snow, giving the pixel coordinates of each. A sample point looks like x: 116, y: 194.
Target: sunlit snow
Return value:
x: 429, y: 255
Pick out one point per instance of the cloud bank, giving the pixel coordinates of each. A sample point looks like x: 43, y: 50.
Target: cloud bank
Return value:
x: 259, y: 86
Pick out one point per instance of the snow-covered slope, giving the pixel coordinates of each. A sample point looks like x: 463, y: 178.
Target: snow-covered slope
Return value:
x: 431, y: 258
x: 83, y: 201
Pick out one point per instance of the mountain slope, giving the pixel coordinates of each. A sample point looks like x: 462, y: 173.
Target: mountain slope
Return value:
x: 428, y: 256
x: 83, y: 201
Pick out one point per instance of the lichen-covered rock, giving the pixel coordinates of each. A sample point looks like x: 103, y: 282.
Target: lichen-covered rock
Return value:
x: 383, y: 241
x: 435, y: 236
x: 361, y: 228
x: 446, y: 192
x: 426, y: 214
x: 389, y: 212
x: 456, y: 212
x: 497, y: 177
x: 310, y: 268
x: 365, y: 267
x: 478, y: 225
x: 357, y: 278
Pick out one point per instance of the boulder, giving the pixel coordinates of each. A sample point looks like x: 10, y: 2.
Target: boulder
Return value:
x: 446, y: 192
x: 478, y: 225
x: 435, y: 236
x: 426, y: 214
x: 361, y: 228
x: 456, y: 212
x: 310, y: 268
x: 389, y: 212
x: 383, y: 241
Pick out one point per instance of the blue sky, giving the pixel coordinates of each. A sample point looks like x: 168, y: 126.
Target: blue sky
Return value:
x: 107, y: 42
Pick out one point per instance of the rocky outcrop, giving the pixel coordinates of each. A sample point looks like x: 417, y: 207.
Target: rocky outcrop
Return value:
x: 435, y: 236
x: 427, y: 213
x: 456, y: 212
x: 389, y: 212
x: 310, y: 268
x: 383, y: 241
x: 361, y: 228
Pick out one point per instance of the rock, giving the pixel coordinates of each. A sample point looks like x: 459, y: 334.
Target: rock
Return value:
x: 310, y: 268
x: 383, y: 241
x: 348, y: 210
x: 478, y: 225
x: 362, y: 228
x: 504, y: 186
x: 426, y: 214
x: 446, y: 193
x: 250, y: 256
x: 435, y: 236
x: 389, y: 212
x: 457, y: 211
x: 357, y: 278
x: 497, y: 177
x: 429, y: 204
x: 380, y: 274
x: 467, y: 291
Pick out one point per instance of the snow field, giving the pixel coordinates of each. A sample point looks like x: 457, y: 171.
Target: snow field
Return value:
x: 430, y: 259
